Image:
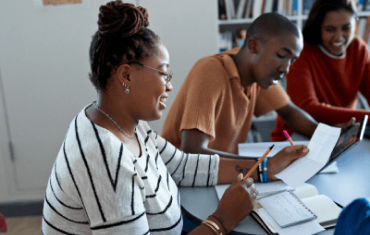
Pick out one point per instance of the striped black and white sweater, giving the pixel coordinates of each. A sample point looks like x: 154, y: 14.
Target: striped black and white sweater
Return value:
x: 97, y: 186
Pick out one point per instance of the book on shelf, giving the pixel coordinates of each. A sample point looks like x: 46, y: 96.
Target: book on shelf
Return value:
x: 221, y: 10
x: 360, y: 5
x: 307, y: 5
x: 289, y: 8
x: 361, y: 27
x: 268, y: 4
x: 241, y: 8
x: 295, y: 7
x: 275, y: 5
x: 225, y: 41
x: 366, y: 6
x: 281, y: 6
x: 230, y: 9
x: 248, y: 9
x: 257, y: 8
x: 367, y: 30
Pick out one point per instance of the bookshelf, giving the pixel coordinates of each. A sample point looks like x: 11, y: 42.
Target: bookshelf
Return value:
x: 243, y: 12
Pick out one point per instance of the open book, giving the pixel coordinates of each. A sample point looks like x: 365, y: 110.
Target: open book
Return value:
x: 326, y: 211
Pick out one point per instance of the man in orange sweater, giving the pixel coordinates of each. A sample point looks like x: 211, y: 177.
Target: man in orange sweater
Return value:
x: 213, y: 110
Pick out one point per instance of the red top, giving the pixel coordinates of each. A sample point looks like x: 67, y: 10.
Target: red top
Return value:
x: 327, y: 87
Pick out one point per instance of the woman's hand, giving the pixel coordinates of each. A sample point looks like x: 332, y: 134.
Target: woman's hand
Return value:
x: 237, y: 202
x: 284, y: 158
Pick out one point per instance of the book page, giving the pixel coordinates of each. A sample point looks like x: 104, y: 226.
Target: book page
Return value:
x: 307, y: 228
x: 286, y: 209
x: 306, y: 190
x: 325, y: 209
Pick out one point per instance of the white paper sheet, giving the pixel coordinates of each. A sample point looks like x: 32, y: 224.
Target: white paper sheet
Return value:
x: 258, y: 149
x: 307, y: 228
x: 331, y: 169
x: 321, y: 145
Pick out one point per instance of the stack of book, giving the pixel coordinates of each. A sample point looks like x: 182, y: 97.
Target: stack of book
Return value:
x: 244, y: 9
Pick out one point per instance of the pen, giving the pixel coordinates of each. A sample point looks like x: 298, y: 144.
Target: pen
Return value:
x: 288, y: 137
x: 258, y: 162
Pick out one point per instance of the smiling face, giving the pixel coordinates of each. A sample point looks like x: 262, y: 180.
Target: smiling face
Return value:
x: 149, y: 87
x: 337, y: 31
x: 273, y: 58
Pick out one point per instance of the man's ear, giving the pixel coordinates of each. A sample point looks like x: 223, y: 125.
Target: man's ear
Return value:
x: 254, y: 46
x: 123, y: 73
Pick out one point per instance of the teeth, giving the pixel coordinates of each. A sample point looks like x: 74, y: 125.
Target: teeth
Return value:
x: 337, y: 44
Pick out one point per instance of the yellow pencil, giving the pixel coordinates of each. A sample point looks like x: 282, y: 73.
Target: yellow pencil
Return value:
x: 257, y: 163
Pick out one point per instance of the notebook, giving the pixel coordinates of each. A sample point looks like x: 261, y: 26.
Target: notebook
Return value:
x: 325, y: 209
x: 286, y: 209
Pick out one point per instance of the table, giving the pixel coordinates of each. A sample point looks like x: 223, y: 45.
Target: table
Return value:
x: 350, y: 183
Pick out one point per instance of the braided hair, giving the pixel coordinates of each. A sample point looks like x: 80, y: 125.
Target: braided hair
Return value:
x: 122, y: 37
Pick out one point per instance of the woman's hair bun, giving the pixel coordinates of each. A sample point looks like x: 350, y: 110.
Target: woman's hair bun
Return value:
x: 121, y: 18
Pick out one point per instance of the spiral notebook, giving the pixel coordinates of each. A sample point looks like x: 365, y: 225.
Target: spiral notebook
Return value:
x: 286, y: 209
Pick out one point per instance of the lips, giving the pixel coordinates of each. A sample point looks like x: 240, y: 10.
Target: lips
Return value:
x: 277, y: 78
x: 338, y: 44
x: 162, y: 100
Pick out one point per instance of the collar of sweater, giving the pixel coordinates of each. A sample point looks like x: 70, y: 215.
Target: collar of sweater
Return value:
x: 331, y: 55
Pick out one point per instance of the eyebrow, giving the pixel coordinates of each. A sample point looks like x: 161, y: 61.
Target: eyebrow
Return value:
x: 289, y: 51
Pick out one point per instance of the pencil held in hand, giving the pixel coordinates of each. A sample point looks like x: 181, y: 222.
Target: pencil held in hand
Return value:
x: 257, y: 163
x: 288, y: 137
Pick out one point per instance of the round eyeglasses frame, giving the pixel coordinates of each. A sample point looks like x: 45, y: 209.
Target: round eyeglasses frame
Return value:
x: 168, y: 76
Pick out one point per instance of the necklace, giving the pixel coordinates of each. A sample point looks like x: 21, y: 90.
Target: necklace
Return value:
x: 119, y: 128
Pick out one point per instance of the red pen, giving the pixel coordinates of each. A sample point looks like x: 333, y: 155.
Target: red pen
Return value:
x: 288, y: 137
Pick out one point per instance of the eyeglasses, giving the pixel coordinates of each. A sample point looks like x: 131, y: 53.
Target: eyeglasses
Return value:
x: 168, y: 76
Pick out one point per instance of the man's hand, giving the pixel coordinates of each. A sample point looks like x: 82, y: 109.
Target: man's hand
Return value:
x: 284, y: 158
x: 346, y: 125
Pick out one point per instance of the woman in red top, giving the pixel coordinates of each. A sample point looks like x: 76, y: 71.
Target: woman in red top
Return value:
x: 333, y: 66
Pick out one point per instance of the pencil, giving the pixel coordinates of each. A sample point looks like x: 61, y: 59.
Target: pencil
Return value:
x: 288, y: 137
x: 257, y: 163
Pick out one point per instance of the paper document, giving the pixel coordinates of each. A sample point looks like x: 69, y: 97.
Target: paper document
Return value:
x: 321, y: 145
x: 258, y: 149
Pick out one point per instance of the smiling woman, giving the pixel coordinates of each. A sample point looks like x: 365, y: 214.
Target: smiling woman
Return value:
x: 333, y: 67
x: 113, y: 173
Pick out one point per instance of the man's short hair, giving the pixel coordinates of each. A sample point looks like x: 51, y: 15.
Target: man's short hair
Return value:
x: 270, y: 25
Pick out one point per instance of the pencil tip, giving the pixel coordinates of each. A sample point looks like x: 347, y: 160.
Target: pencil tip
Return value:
x: 272, y: 146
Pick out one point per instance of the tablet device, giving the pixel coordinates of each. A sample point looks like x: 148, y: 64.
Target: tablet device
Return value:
x: 348, y: 139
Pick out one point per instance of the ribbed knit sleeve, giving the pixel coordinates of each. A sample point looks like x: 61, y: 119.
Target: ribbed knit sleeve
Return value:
x: 189, y: 169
